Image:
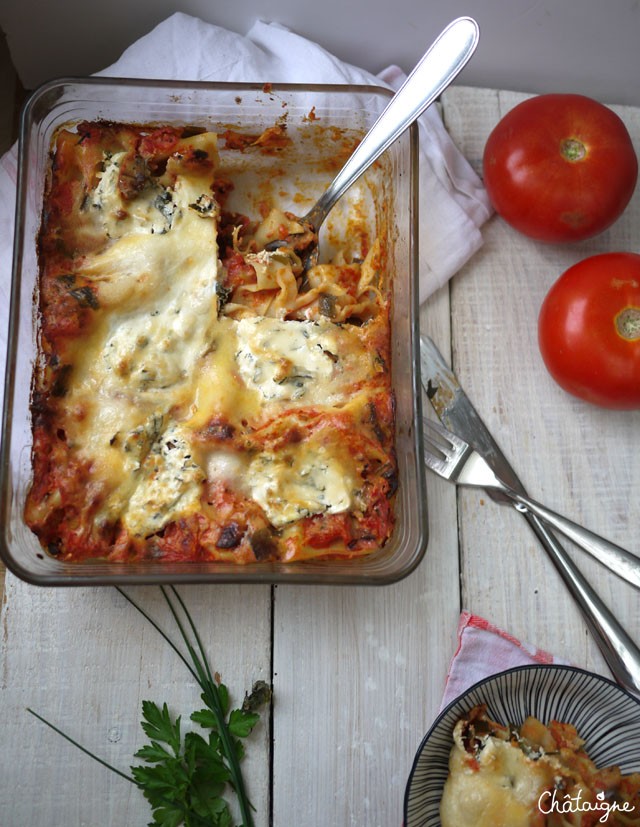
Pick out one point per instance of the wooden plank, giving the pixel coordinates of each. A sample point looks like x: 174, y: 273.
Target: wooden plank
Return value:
x: 85, y: 660
x: 359, y: 674
x: 573, y: 456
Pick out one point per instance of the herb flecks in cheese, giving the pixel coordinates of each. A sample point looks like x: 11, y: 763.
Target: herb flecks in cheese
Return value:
x: 168, y: 485
x: 157, y: 293
x: 306, y: 479
x: 152, y: 211
x: 284, y: 360
x: 169, y: 283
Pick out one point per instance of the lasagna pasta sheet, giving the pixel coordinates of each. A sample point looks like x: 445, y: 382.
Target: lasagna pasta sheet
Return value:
x: 197, y: 397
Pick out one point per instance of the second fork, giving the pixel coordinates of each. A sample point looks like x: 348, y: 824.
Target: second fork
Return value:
x: 452, y: 458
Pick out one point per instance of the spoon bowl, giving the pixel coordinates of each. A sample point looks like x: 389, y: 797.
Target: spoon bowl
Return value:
x: 437, y: 68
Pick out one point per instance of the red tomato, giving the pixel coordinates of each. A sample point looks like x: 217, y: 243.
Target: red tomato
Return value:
x: 589, y: 330
x: 560, y: 167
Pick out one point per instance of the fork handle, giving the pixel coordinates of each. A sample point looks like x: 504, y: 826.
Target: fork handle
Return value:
x: 620, y: 561
x: 618, y: 649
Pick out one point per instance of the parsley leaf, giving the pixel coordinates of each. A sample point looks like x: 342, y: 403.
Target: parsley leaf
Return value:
x: 186, y: 782
x: 184, y: 778
x: 242, y: 723
x: 158, y: 726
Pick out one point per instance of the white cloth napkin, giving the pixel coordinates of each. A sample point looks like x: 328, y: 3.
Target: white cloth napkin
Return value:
x: 483, y: 650
x: 453, y: 202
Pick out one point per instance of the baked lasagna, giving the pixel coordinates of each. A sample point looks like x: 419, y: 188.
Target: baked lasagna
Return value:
x: 196, y: 396
x: 534, y: 775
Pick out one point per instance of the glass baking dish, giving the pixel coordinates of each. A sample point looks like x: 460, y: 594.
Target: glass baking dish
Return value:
x: 311, y: 111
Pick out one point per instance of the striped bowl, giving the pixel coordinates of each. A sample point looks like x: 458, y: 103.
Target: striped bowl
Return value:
x: 605, y: 715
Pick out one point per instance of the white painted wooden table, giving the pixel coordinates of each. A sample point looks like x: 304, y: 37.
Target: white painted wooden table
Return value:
x: 357, y: 673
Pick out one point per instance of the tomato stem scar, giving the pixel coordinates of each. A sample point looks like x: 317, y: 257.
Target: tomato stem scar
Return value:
x: 628, y: 323
x: 572, y: 149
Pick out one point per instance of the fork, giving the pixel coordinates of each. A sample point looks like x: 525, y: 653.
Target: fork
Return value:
x: 455, y: 460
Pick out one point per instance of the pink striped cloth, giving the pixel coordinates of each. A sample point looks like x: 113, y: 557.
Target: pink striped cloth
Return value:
x: 483, y: 650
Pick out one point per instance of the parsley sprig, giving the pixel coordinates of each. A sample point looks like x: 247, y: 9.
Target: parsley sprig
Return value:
x: 184, y: 777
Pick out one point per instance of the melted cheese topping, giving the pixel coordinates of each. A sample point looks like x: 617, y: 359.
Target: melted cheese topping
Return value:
x: 301, y: 362
x: 286, y: 360
x: 158, y: 291
x: 151, y: 212
x: 157, y: 362
x: 501, y: 790
x: 168, y: 487
x: 308, y: 478
x: 162, y: 346
x: 220, y: 391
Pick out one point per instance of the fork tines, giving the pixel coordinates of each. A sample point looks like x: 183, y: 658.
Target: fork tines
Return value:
x: 435, y: 446
x: 440, y: 437
x: 444, y: 452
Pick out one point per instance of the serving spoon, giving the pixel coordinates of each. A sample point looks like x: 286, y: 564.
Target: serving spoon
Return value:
x: 437, y: 68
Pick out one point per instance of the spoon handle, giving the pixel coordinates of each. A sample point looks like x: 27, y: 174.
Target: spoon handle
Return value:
x: 436, y: 69
x: 618, y: 649
x: 618, y: 560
